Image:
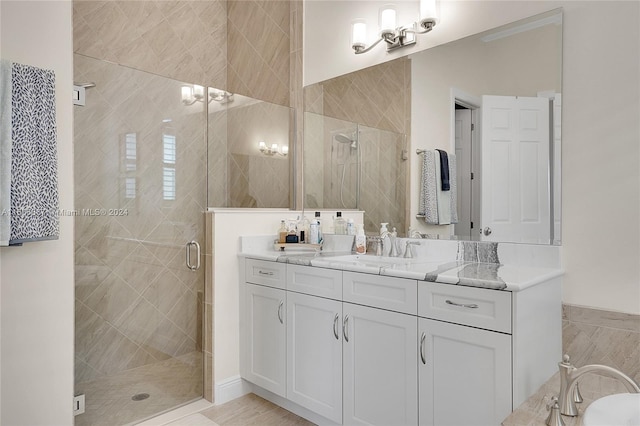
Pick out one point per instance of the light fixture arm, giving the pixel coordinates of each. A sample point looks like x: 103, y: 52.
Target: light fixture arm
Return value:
x: 361, y: 49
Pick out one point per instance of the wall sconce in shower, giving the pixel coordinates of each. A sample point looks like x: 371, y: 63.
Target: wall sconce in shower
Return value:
x: 195, y: 93
x: 395, y: 36
x: 273, y: 149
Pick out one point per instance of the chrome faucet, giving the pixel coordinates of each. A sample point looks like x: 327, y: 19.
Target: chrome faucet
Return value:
x: 383, y: 236
x: 407, y: 251
x: 569, y: 376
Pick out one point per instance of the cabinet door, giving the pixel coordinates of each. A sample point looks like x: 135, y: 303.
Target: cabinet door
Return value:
x: 314, y: 352
x: 380, y: 354
x: 265, y: 343
x: 465, y: 375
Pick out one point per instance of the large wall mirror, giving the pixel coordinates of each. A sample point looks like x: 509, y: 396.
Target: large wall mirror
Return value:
x: 492, y: 99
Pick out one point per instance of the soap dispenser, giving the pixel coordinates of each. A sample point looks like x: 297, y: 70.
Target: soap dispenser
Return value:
x: 383, y: 229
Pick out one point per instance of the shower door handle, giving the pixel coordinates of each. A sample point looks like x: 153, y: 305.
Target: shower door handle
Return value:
x: 188, y: 247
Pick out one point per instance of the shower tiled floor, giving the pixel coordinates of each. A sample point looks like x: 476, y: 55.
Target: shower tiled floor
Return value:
x: 169, y: 383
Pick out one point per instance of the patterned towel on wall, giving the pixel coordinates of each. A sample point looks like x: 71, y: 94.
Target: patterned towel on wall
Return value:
x: 34, y: 161
x: 5, y: 152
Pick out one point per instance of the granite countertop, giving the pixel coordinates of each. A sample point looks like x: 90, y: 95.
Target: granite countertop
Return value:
x: 533, y: 412
x: 475, y: 274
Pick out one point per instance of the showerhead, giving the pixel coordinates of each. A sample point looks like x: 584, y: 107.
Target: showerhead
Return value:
x: 342, y: 138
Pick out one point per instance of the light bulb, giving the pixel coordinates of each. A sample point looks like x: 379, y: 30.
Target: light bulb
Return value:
x: 285, y: 150
x: 198, y: 91
x: 358, y: 33
x: 428, y: 13
x: 387, y: 20
x: 186, y: 93
x: 262, y: 146
x: 274, y: 148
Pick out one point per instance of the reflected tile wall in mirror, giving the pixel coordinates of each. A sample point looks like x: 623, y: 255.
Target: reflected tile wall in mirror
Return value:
x: 355, y: 167
x: 240, y: 174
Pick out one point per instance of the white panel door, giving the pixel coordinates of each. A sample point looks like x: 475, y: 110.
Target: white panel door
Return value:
x: 515, y: 169
x: 314, y: 354
x: 464, y: 375
x: 380, y: 367
x: 265, y: 344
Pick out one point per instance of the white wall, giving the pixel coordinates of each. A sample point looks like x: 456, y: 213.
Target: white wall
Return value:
x: 327, y: 29
x: 601, y: 130
x: 36, y: 280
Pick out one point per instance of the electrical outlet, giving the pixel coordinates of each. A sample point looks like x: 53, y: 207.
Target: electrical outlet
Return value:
x: 78, y: 404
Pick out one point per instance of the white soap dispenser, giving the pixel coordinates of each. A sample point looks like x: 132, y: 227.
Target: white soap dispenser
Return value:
x: 383, y: 228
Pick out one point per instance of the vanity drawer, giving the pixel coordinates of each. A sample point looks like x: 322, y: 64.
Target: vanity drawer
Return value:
x: 315, y: 281
x: 394, y: 294
x: 267, y: 273
x: 477, y: 307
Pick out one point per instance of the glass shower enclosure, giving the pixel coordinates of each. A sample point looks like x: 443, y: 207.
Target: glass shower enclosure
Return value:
x: 140, y: 194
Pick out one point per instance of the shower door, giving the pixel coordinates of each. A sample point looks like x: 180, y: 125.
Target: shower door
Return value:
x: 140, y: 196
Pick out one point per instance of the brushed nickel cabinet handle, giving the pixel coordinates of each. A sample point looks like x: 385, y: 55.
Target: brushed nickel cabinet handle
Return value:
x: 462, y: 305
x: 280, y: 311
x: 423, y: 357
x: 265, y: 273
x: 345, y: 326
x: 335, y: 326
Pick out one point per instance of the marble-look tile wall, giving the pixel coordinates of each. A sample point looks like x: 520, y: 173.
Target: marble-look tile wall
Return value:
x: 183, y: 40
x: 334, y: 170
x: 239, y: 174
x: 259, y: 49
x: 378, y: 100
x: 378, y: 96
x: 140, y: 167
x: 593, y: 336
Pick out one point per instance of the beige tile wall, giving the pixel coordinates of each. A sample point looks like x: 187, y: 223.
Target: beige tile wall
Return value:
x: 184, y: 40
x: 259, y: 49
x: 378, y: 99
x: 593, y: 336
x: 375, y: 97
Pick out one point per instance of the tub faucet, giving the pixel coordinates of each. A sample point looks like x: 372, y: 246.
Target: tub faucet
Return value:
x: 569, y: 376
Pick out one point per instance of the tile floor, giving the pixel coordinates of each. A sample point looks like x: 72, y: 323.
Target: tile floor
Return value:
x: 244, y: 411
x: 108, y: 399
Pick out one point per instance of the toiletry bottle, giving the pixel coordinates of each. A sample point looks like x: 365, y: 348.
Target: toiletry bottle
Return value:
x: 361, y: 240
x: 383, y: 228
x: 303, y: 229
x: 313, y: 232
x: 351, y: 227
x: 282, y: 232
x: 320, y: 234
x: 340, y: 225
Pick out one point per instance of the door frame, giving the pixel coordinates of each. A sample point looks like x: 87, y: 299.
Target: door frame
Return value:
x: 474, y: 103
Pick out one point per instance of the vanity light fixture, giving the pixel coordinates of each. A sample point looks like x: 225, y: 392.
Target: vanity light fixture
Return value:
x: 195, y: 93
x: 395, y: 36
x: 273, y: 149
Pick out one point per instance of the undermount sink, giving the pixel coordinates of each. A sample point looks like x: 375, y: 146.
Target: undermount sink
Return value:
x: 621, y: 409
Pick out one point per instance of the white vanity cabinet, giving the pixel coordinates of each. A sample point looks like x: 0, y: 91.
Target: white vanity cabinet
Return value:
x: 380, y: 370
x: 357, y: 348
x: 314, y: 354
x: 266, y: 338
x: 263, y: 347
x: 465, y: 375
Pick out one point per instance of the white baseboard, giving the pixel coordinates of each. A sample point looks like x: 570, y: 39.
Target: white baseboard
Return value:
x: 231, y: 388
